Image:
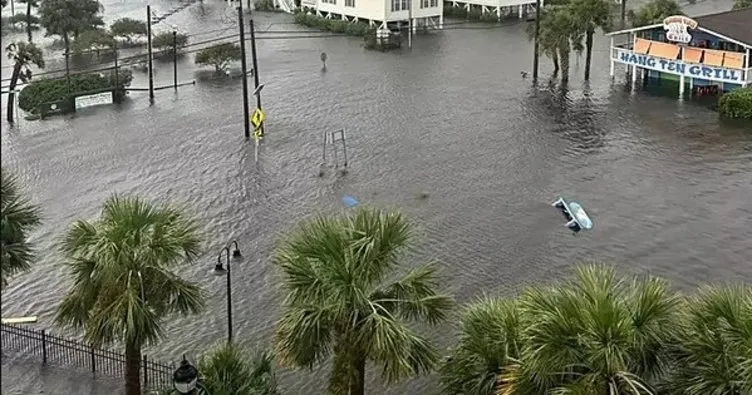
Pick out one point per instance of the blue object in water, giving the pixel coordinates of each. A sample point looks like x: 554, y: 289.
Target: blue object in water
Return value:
x: 575, y: 215
x: 349, y: 201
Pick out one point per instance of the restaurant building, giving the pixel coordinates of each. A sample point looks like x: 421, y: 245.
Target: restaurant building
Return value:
x: 704, y: 55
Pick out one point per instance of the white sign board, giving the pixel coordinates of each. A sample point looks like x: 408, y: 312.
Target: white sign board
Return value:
x: 676, y: 28
x: 93, y: 100
x: 678, y: 67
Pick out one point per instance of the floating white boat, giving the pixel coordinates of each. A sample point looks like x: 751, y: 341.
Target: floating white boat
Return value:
x: 577, y: 218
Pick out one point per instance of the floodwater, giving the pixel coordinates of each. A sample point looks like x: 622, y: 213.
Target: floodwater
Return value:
x: 449, y: 133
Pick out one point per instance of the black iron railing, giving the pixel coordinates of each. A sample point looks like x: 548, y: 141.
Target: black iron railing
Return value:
x: 57, y: 350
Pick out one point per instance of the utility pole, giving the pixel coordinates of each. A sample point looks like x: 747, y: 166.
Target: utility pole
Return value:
x: 149, y: 49
x: 244, y: 69
x: 254, y: 58
x: 410, y: 23
x: 623, y: 14
x: 536, y: 45
x: 175, y: 59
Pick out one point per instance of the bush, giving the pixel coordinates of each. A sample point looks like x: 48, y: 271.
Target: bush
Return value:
x: 264, y: 5
x: 474, y: 14
x: 22, y: 19
x: 163, y: 42
x: 736, y: 104
x: 50, y: 90
x: 128, y: 28
x: 332, y: 25
x: 219, y: 56
x: 93, y: 39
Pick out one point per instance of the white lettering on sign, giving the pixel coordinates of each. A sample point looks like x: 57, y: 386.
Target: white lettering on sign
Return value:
x: 676, y: 28
x: 93, y: 100
x: 678, y: 67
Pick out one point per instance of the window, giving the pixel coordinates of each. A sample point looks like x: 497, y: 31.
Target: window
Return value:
x: 429, y: 3
x: 329, y: 1
x: 400, y: 5
x: 349, y: 3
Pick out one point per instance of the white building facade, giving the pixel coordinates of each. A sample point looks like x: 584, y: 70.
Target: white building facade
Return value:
x: 381, y: 13
x: 500, y: 8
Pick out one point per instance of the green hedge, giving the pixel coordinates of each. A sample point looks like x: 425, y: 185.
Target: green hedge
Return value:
x: 474, y: 14
x: 736, y: 104
x: 50, y: 90
x: 333, y: 25
x: 264, y: 5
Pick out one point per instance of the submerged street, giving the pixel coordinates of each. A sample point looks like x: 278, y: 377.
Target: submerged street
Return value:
x: 448, y: 132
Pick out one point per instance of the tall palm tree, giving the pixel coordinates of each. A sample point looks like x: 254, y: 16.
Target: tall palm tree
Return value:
x: 489, y: 342
x: 227, y: 371
x: 19, y: 218
x: 31, y: 20
x: 123, y: 280
x: 23, y: 56
x: 654, y: 12
x: 342, y: 298
x: 589, y: 16
x: 558, y: 36
x: 597, y: 334
x: 715, y: 346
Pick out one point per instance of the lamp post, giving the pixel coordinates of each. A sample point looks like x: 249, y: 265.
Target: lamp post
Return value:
x: 185, y: 378
x: 219, y: 270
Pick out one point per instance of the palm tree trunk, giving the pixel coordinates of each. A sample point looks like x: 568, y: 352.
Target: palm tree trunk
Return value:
x: 555, y: 60
x: 28, y: 19
x: 11, y: 89
x: 564, y: 56
x: 588, y: 53
x: 132, y: 369
x: 358, y: 385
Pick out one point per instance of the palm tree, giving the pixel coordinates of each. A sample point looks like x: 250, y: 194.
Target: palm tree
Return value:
x: 715, y: 343
x: 227, y: 371
x: 19, y: 218
x: 596, y: 334
x: 123, y: 284
x: 23, y: 56
x: 655, y: 12
x: 558, y: 36
x: 589, y: 16
x: 342, y: 299
x: 31, y: 20
x: 489, y: 342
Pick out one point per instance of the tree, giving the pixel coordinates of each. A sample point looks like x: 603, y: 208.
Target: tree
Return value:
x: 219, y: 56
x: 31, y: 20
x: 27, y: 22
x: 589, y: 16
x: 598, y: 334
x: 739, y: 4
x: 123, y: 284
x: 339, y: 300
x: 165, y: 41
x: 558, y: 36
x: 655, y: 12
x: 128, y: 28
x: 93, y: 39
x: 715, y: 343
x: 66, y: 18
x: 19, y: 218
x: 23, y: 56
x: 227, y: 371
x: 489, y: 341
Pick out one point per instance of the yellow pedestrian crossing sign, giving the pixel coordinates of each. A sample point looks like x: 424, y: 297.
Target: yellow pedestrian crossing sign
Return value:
x: 257, y: 118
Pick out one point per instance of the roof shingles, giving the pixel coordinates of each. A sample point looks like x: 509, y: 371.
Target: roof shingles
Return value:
x: 736, y: 24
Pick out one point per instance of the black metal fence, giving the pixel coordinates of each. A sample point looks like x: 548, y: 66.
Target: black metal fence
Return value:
x: 56, y: 350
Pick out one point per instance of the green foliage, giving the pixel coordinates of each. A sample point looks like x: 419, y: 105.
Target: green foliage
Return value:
x: 264, y: 5
x: 489, y: 341
x: 474, y: 14
x: 333, y: 25
x: 66, y: 18
x: 164, y: 42
x: 3, y: 3
x: 715, y: 343
x: 736, y: 104
x: 128, y: 28
x: 228, y: 371
x: 219, y: 55
x: 50, y: 90
x: 739, y: 4
x: 655, y: 12
x: 559, y: 35
x: 18, y: 218
x: 93, y: 39
x: 23, y: 20
x: 344, y: 297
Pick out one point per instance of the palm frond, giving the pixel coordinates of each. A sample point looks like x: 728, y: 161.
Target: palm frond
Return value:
x: 18, y: 217
x: 414, y: 296
x: 304, y: 335
x: 226, y: 370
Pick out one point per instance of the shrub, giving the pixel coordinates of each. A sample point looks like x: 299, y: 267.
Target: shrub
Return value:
x: 474, y: 14
x: 264, y: 5
x: 219, y: 55
x: 736, y: 104
x: 93, y: 39
x: 128, y: 28
x: 50, y: 90
x: 163, y: 42
x: 333, y: 25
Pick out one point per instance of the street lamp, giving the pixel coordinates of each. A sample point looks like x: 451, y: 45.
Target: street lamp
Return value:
x: 219, y: 270
x: 185, y: 379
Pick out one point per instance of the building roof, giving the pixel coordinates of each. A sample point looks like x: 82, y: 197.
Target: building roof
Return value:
x: 733, y: 25
x: 736, y: 24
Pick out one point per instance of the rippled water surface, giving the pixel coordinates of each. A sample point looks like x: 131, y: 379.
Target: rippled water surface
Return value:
x: 667, y: 184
